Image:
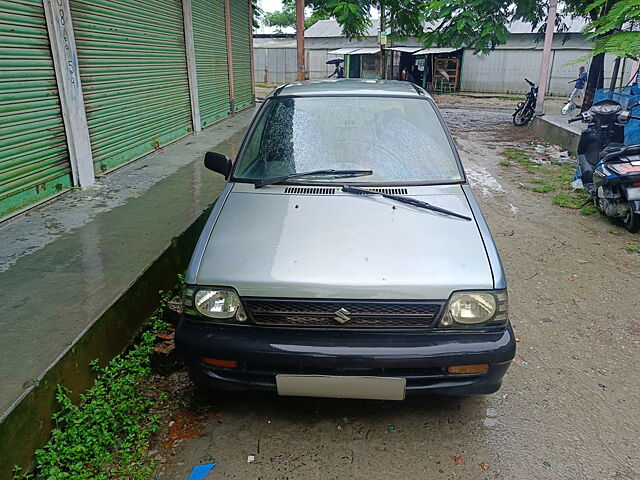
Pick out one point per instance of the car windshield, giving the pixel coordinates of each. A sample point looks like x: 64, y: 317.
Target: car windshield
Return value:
x: 400, y: 139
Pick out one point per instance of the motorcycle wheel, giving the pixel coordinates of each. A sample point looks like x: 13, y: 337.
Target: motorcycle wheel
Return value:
x: 522, y: 116
x: 632, y: 222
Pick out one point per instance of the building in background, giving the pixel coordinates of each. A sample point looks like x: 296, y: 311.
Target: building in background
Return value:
x: 501, y: 71
x: 150, y: 73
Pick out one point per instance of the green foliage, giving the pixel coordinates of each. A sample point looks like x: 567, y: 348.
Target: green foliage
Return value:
x: 287, y: 16
x: 105, y: 435
x: 633, y: 248
x: 556, y: 177
x: 611, y: 27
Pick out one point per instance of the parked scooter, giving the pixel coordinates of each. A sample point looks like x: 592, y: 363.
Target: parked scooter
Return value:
x: 525, y: 110
x: 609, y: 169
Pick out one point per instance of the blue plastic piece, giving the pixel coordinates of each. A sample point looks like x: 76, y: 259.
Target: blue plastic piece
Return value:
x: 201, y: 471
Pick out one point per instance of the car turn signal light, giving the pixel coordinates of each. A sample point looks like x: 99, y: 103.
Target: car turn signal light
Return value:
x: 467, y: 369
x: 216, y: 362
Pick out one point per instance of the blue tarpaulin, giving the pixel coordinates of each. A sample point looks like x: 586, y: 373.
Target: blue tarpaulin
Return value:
x: 626, y: 96
x: 201, y: 471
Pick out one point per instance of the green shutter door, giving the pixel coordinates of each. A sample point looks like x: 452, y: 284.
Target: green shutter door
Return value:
x: 209, y: 32
x: 134, y: 76
x: 241, y: 53
x: 34, y: 161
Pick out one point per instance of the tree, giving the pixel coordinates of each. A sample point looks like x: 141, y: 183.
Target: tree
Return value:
x: 614, y: 32
x: 483, y: 24
x: 287, y: 17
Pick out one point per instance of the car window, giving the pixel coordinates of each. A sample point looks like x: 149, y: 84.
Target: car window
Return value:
x: 400, y: 139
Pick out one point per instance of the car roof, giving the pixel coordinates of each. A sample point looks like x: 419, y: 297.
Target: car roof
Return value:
x: 350, y: 87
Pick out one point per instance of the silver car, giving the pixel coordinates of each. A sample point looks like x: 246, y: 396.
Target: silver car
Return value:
x: 346, y: 256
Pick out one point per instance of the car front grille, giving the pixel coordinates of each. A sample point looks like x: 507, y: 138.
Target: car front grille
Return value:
x: 345, y: 314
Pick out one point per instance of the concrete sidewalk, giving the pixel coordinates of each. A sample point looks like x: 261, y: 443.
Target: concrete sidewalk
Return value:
x: 65, y: 264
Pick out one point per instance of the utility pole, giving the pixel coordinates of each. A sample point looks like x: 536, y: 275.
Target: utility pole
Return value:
x: 546, y: 56
x: 300, y: 39
x: 383, y: 57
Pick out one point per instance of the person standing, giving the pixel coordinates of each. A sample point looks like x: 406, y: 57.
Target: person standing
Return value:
x: 581, y: 83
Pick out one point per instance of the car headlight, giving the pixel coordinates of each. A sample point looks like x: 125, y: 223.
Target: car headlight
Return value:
x: 216, y: 303
x: 473, y: 309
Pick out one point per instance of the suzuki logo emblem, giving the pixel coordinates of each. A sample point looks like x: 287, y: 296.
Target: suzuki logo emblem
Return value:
x: 342, y: 315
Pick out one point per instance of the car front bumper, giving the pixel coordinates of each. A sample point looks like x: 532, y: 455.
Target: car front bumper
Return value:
x: 422, y: 358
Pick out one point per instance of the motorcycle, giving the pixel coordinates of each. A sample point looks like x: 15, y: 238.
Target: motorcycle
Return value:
x: 525, y: 110
x: 609, y: 169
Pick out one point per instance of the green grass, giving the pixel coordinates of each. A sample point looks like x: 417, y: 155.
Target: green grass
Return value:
x: 513, y: 99
x: 506, y: 163
x: 616, y: 231
x: 264, y: 85
x: 547, y: 178
x: 633, y: 248
x: 106, y: 435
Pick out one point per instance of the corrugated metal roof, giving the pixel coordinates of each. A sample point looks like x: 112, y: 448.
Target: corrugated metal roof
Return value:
x: 404, y: 49
x: 429, y: 51
x: 365, y: 51
x: 331, y: 28
x: 342, y: 51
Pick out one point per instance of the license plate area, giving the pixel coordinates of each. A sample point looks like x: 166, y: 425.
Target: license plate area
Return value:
x: 633, y: 193
x: 330, y: 386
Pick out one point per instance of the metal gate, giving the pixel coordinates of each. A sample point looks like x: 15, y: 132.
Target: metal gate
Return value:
x: 209, y: 33
x: 34, y: 161
x: 241, y: 28
x: 134, y: 76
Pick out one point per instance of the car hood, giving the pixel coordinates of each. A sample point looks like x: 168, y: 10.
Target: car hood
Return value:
x: 266, y: 243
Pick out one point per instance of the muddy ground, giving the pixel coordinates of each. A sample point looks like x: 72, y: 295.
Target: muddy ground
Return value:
x: 570, y: 404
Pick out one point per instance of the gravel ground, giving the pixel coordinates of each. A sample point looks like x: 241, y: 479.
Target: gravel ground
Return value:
x: 569, y: 407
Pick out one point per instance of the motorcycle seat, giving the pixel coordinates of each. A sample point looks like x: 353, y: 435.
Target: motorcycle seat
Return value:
x: 613, y: 147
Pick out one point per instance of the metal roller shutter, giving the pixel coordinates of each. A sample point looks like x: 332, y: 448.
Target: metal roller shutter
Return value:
x: 134, y: 76
x: 209, y: 32
x: 241, y: 53
x: 34, y: 161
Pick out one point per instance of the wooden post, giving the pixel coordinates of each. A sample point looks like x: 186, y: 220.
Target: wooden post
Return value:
x: 190, y: 52
x: 546, y: 56
x: 300, y: 39
x: 227, y: 16
x: 65, y: 62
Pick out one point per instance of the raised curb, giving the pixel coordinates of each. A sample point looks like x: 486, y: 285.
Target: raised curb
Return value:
x: 28, y: 426
x: 556, y: 131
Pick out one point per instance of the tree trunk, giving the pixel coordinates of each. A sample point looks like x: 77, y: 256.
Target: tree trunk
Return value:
x: 595, y: 80
x: 614, y: 75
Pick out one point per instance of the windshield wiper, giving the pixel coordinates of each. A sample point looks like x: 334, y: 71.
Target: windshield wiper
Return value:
x: 336, y: 173
x: 408, y: 200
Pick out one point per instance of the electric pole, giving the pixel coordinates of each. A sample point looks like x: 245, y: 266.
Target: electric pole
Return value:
x: 546, y: 56
x: 300, y: 39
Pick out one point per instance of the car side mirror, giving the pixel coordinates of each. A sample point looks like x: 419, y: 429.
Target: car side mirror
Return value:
x: 218, y: 162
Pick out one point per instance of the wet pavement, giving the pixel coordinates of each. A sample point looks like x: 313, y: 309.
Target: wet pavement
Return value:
x: 570, y: 404
x: 63, y: 264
